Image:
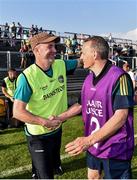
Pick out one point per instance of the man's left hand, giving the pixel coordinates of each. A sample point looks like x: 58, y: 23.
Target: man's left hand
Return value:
x: 77, y: 146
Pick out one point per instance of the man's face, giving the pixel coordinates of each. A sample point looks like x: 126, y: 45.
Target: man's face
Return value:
x: 126, y: 68
x: 87, y: 55
x: 12, y: 75
x: 47, y: 51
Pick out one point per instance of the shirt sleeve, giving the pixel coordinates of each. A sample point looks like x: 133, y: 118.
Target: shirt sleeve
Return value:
x: 123, y: 93
x: 3, y: 84
x: 71, y: 65
x: 23, y: 91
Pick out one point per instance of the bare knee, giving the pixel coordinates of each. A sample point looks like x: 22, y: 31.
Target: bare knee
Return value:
x: 93, y: 174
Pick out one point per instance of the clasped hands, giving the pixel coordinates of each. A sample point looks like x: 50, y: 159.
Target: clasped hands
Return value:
x: 53, y: 122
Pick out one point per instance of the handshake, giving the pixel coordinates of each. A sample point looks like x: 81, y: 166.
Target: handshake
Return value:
x: 52, y: 122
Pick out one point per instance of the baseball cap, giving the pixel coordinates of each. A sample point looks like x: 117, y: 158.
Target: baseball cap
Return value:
x: 124, y: 49
x: 42, y: 38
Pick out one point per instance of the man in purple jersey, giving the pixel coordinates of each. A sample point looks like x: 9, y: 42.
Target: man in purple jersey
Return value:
x: 107, y: 110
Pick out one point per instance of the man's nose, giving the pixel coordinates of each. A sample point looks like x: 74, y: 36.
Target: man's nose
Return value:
x: 54, y: 50
x: 81, y: 57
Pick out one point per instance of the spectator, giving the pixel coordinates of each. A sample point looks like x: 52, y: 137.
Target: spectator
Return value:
x: 82, y: 38
x: 51, y: 33
x: 68, y: 46
x: 40, y: 30
x: 78, y: 49
x: 8, y: 89
x: 23, y: 52
x: 36, y: 29
x: 30, y: 56
x: 0, y: 32
x: 20, y: 30
x: 6, y: 30
x: 136, y: 89
x: 131, y: 51
x: 13, y: 30
x: 74, y: 43
x: 127, y: 69
x: 32, y: 31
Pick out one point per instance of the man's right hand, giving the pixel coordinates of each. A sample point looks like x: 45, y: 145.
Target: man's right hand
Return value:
x: 52, y: 124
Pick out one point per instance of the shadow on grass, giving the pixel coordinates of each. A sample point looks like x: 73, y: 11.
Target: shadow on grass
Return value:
x: 135, y: 151
x: 11, y: 130
x: 10, y: 145
x: 134, y: 172
x: 26, y: 175
x: 134, y: 169
x: 74, y: 165
x: 70, y: 166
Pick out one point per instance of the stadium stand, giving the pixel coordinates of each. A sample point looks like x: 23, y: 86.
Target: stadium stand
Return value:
x: 10, y: 55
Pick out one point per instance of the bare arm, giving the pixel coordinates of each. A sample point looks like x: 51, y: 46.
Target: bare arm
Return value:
x: 72, y: 111
x: 20, y: 112
x: 134, y: 84
x: 4, y: 91
x: 110, y: 127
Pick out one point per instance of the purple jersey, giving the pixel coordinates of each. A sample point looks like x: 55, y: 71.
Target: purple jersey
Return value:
x: 97, y: 109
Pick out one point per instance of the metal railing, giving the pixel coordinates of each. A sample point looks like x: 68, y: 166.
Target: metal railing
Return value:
x: 12, y: 59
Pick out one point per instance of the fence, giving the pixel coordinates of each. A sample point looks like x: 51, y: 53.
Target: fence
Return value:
x: 10, y: 59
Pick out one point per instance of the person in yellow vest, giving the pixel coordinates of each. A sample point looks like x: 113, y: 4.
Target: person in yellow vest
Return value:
x: 8, y: 89
x: 41, y: 94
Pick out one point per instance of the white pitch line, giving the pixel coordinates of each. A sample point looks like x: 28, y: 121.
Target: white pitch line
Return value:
x: 23, y: 168
x: 28, y: 167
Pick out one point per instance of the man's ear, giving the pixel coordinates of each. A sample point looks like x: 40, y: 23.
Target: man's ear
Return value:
x: 36, y: 51
x: 95, y: 54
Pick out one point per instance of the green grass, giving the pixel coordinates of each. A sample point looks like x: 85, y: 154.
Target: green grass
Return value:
x: 14, y: 152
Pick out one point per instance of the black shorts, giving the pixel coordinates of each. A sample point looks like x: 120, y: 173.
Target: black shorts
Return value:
x: 113, y: 169
x: 45, y: 153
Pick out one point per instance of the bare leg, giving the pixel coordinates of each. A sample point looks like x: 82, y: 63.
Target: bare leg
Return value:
x: 93, y: 174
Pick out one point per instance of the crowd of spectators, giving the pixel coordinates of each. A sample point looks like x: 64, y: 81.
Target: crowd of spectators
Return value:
x: 17, y: 31
x: 73, y: 42
x: 124, y: 53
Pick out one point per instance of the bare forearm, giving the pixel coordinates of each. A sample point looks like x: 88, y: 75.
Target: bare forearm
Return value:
x: 27, y: 117
x: 5, y: 93
x: 20, y: 112
x: 109, y: 128
x: 72, y: 111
